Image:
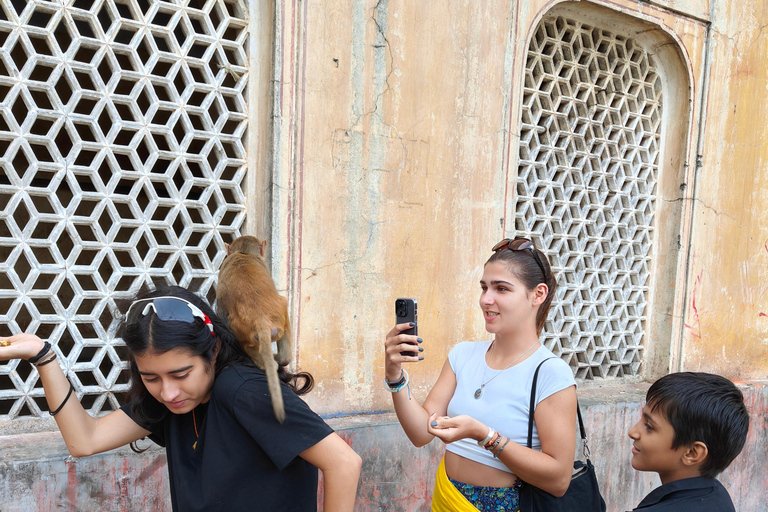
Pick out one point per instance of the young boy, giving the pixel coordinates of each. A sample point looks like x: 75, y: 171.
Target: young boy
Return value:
x: 693, y: 426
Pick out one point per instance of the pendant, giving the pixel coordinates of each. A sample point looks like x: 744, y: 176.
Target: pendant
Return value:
x: 479, y: 393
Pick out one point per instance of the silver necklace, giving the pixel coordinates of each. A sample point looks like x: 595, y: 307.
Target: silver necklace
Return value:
x: 479, y: 391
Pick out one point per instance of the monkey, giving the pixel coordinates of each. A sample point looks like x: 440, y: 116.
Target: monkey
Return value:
x: 246, y: 297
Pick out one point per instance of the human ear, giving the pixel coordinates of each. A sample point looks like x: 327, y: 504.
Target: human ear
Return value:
x: 216, y: 349
x: 540, y: 294
x: 695, y: 454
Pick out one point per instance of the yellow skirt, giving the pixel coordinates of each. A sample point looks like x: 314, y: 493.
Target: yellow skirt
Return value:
x: 446, y: 497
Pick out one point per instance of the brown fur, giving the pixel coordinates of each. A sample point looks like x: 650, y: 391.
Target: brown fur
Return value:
x: 257, y: 314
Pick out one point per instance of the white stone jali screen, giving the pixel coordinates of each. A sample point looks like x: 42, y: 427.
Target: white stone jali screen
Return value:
x: 122, y: 127
x: 588, y: 166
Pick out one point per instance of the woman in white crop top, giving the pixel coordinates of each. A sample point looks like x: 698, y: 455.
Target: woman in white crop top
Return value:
x: 479, y: 404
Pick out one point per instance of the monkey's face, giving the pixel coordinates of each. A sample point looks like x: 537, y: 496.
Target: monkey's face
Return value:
x: 177, y: 379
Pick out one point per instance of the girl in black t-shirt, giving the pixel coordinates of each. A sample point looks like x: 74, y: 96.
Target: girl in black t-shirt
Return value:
x: 195, y: 392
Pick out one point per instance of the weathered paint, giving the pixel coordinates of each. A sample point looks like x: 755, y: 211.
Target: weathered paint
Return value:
x: 726, y: 332
x: 37, y: 474
x: 396, y: 126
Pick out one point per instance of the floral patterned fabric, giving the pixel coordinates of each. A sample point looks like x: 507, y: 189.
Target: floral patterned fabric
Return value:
x: 490, y: 499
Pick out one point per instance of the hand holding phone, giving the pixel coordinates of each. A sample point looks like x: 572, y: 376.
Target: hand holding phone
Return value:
x: 406, y: 311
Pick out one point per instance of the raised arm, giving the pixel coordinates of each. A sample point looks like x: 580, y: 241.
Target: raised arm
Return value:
x: 413, y: 416
x: 82, y: 433
x: 341, y: 470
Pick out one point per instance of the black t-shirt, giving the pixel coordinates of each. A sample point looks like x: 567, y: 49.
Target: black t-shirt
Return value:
x: 688, y: 495
x: 244, y: 459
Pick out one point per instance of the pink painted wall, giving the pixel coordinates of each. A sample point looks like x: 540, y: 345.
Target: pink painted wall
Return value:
x: 37, y: 474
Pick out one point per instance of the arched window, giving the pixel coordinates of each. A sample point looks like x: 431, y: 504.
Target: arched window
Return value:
x: 587, y: 189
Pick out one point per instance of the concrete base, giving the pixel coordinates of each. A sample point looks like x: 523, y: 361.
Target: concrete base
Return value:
x: 37, y: 474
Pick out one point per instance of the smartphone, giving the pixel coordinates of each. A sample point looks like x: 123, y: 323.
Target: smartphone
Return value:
x: 406, y: 310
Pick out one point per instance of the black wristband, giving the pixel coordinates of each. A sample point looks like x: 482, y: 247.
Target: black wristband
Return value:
x: 398, y: 382
x: 71, y: 389
x: 40, y: 354
x: 50, y: 359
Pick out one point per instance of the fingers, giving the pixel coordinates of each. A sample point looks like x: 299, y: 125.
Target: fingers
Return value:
x: 19, y: 346
x: 404, y: 352
x: 442, y: 427
x: 441, y: 422
x: 401, y: 348
x: 397, y: 329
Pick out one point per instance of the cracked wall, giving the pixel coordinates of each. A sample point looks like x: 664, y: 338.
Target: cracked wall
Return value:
x: 726, y: 316
x: 397, y: 141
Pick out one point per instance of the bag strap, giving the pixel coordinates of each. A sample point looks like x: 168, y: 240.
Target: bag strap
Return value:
x: 531, y: 408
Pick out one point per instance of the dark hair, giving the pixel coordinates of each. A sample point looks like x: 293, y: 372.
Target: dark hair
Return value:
x: 523, y: 265
x: 703, y: 407
x: 155, y: 335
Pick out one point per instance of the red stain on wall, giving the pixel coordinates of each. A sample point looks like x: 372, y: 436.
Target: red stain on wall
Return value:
x: 72, y: 486
x: 693, y: 327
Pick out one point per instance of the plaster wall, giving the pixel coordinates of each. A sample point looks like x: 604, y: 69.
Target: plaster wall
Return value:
x: 726, y: 322
x: 396, y: 157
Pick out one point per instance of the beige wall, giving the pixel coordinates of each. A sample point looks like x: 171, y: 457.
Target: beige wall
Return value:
x: 726, y: 324
x: 394, y: 160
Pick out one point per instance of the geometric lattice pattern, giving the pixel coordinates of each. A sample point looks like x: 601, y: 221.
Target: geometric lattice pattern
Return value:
x: 122, y: 127
x: 588, y: 166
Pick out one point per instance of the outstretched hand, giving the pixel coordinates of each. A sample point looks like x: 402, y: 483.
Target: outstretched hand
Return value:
x: 449, y: 429
x: 20, y: 346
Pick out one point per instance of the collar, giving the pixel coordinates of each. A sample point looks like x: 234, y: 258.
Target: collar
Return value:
x: 686, y: 484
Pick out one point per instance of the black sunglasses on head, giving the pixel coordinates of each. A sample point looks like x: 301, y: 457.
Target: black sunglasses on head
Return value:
x: 168, y: 309
x: 521, y: 244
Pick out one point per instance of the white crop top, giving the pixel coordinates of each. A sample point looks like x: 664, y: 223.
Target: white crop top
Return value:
x: 505, y: 400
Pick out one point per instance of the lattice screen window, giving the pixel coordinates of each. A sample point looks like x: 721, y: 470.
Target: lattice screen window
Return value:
x: 589, y: 155
x: 122, y: 128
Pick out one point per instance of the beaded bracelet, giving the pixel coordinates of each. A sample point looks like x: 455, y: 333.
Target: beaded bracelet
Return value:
x: 496, y: 454
x: 492, y: 446
x: 494, y: 439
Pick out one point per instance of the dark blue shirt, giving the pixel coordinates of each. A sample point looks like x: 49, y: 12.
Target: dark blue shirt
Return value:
x: 688, y: 495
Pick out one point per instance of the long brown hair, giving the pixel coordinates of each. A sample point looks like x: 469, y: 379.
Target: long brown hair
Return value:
x: 524, y: 266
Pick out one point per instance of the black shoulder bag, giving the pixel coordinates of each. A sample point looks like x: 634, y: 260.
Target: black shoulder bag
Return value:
x: 583, y: 494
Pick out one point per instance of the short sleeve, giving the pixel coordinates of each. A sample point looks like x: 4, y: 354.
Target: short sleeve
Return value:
x: 460, y: 355
x: 555, y: 375
x: 282, y: 443
x: 157, y: 429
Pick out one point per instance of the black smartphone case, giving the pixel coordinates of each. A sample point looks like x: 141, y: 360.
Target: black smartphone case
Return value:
x: 406, y: 310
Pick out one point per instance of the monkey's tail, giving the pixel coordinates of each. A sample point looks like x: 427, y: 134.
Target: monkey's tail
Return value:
x: 270, y: 368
